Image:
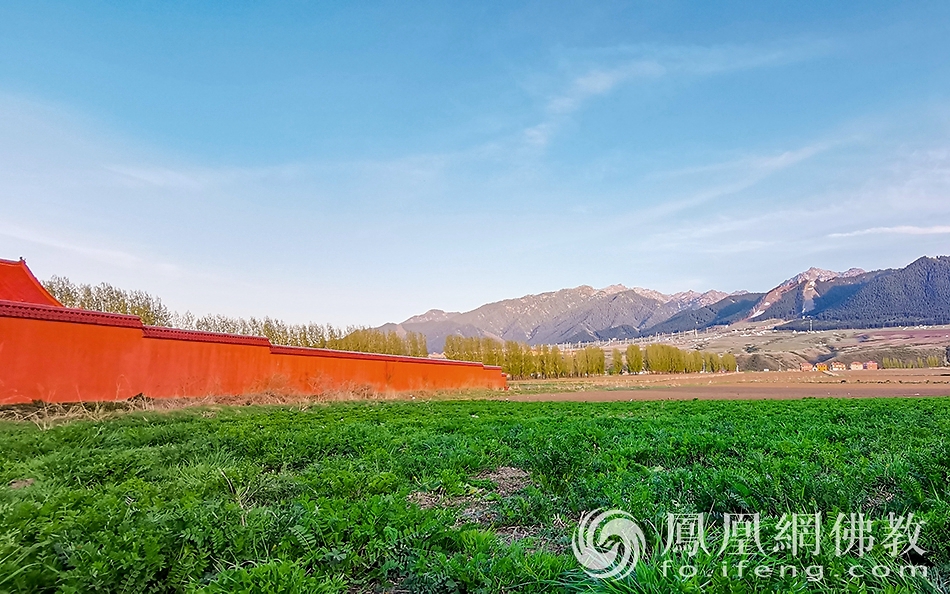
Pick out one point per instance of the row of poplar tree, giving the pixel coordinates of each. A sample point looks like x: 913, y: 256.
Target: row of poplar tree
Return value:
x: 522, y: 361
x: 104, y: 297
x: 519, y: 360
x: 918, y: 363
x: 664, y: 358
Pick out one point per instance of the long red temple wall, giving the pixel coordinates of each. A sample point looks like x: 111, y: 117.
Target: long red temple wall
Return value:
x: 111, y: 357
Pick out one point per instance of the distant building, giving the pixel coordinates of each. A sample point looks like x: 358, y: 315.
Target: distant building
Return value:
x: 838, y: 366
x: 856, y: 365
x: 821, y: 367
x: 808, y: 367
x: 871, y: 365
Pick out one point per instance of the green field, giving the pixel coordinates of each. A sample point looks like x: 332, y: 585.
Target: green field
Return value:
x: 400, y: 497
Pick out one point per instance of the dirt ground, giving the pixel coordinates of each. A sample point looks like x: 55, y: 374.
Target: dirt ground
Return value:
x: 892, y: 383
x: 760, y: 346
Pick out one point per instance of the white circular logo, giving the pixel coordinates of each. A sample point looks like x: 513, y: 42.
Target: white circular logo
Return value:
x: 608, y: 543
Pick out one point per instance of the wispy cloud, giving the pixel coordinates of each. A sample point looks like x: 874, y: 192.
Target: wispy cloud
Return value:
x: 113, y: 257
x: 161, y: 177
x: 899, y: 230
x: 600, y: 82
x: 759, y: 164
x: 593, y: 83
x: 740, y: 175
x: 625, y: 64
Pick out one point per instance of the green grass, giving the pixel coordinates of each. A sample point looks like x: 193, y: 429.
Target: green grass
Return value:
x: 283, y: 499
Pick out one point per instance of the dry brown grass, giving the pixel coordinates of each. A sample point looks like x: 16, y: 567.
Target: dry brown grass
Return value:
x: 49, y: 414
x: 645, y: 381
x: 45, y: 414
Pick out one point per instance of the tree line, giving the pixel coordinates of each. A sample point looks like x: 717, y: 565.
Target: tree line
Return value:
x: 520, y: 360
x: 664, y: 358
x: 107, y: 298
x: 918, y: 363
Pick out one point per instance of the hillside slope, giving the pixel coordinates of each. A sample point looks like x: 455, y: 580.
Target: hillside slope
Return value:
x: 816, y: 298
x: 580, y: 314
x: 732, y: 309
x: 918, y: 294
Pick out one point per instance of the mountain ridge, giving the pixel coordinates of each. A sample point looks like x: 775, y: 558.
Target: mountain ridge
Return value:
x: 577, y: 314
x: 813, y: 298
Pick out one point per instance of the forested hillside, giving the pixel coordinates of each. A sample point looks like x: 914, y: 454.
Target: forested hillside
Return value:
x: 722, y: 313
x: 917, y: 294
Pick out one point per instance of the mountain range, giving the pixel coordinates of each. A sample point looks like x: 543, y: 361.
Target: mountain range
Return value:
x: 816, y: 298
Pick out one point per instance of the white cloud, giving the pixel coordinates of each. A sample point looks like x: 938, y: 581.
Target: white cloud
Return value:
x: 600, y: 82
x: 105, y: 256
x: 756, y: 164
x: 160, y: 177
x: 629, y: 63
x: 739, y: 175
x: 899, y: 230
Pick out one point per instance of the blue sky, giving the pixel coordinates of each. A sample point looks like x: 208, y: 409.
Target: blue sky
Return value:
x: 358, y: 163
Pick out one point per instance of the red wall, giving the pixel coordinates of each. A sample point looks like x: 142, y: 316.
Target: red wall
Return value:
x: 57, y: 354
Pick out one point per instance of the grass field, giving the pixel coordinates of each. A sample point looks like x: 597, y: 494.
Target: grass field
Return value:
x: 457, y: 496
